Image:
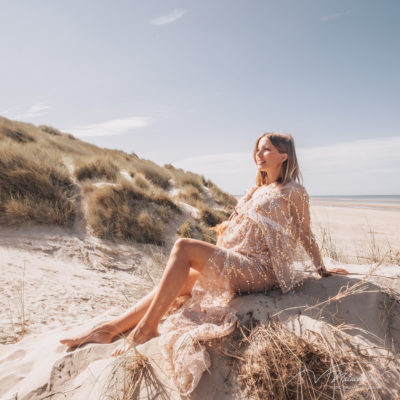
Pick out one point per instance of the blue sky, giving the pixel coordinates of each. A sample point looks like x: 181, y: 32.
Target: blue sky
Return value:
x: 194, y: 83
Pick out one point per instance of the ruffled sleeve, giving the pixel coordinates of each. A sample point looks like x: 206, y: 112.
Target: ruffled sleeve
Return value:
x: 299, y: 207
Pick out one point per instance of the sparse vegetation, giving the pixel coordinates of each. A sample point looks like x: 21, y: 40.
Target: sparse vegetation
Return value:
x: 210, y: 217
x: 190, y: 194
x: 133, y: 377
x: 34, y: 187
x: 50, y: 130
x: 183, y: 178
x: 97, y: 169
x: 219, y: 196
x: 272, y: 362
x: 154, y: 173
x: 17, y: 135
x: 208, y: 235
x: 126, y: 212
x: 188, y: 230
x: 140, y: 181
x: 17, y: 310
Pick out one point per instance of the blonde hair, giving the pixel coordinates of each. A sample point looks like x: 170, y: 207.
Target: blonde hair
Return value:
x: 290, y: 171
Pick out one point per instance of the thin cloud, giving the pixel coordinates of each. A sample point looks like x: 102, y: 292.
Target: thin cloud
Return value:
x: 365, y: 166
x: 168, y: 18
x: 5, y: 112
x: 111, y: 128
x: 332, y: 16
x: 36, y: 110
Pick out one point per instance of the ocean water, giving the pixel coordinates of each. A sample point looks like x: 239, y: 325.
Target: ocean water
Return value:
x: 383, y: 199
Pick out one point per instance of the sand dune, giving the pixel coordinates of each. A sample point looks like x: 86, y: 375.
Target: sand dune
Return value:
x: 66, y: 283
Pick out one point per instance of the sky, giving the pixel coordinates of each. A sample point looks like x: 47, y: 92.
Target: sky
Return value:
x: 195, y: 83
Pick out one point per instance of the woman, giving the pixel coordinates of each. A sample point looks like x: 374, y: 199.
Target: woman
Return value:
x: 266, y: 242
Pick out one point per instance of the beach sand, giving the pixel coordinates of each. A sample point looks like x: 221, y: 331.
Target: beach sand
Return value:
x: 56, y: 283
x: 355, y: 230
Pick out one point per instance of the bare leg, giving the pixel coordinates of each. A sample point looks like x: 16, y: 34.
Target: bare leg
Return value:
x: 186, y: 254
x: 107, y: 331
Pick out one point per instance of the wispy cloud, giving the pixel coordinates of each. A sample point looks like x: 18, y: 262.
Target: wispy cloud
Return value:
x: 332, y: 16
x: 366, y: 166
x: 168, y: 18
x: 5, y: 112
x: 110, y: 128
x: 36, y: 110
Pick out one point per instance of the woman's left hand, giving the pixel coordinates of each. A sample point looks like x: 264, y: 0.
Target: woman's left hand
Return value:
x: 334, y: 271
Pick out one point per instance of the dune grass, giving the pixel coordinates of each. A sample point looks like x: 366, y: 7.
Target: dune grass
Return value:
x: 211, y: 217
x: 370, y: 252
x: 16, y: 308
x: 34, y: 187
x: 188, y: 230
x: 37, y: 186
x: 222, y: 198
x: 152, y: 172
x: 272, y: 362
x: 133, y: 378
x: 126, y: 212
x: 99, y: 168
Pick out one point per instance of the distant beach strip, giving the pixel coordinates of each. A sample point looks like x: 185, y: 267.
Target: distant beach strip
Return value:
x: 373, y: 202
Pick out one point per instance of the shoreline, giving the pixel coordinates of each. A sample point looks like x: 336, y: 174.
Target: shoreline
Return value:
x: 383, y: 206
x: 354, y: 203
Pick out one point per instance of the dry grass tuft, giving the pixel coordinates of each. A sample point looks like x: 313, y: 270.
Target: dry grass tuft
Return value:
x: 154, y: 173
x: 125, y: 212
x: 50, y: 130
x: 133, y: 378
x: 140, y: 181
x: 270, y: 361
x: 222, y: 198
x: 17, y: 135
x: 371, y: 250
x: 189, y: 229
x: 208, y: 235
x: 275, y: 363
x: 34, y: 187
x: 190, y: 194
x: 97, y: 169
x: 210, y: 217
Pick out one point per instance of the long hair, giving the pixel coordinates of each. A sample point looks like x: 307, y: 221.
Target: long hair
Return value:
x: 290, y: 171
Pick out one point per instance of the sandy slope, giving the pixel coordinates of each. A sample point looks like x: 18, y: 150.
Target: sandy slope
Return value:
x: 69, y: 282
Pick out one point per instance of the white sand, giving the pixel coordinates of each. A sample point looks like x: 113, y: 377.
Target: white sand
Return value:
x: 357, y: 231
x: 66, y: 283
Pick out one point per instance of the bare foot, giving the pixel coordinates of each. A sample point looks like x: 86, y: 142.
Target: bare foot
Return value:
x: 137, y: 336
x: 101, y: 334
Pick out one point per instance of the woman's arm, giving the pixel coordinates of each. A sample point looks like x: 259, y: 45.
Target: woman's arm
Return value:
x: 299, y: 202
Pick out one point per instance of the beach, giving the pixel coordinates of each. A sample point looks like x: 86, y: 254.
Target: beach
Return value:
x: 57, y: 284
x: 357, y: 228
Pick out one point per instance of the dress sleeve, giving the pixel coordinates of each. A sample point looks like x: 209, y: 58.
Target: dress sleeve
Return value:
x: 299, y: 203
x: 242, y: 201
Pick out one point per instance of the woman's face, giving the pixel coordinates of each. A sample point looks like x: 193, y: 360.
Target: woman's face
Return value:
x: 268, y: 156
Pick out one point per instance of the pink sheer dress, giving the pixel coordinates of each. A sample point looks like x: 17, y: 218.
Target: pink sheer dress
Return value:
x: 267, y: 242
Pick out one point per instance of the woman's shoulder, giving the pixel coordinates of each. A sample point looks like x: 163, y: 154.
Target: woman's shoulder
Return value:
x: 294, y: 188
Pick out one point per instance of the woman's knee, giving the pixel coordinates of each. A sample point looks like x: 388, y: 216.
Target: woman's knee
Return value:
x: 182, y: 245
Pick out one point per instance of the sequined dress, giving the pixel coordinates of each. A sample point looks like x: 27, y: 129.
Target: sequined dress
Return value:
x: 267, y: 242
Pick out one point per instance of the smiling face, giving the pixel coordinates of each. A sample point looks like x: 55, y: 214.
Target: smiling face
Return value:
x: 268, y: 157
